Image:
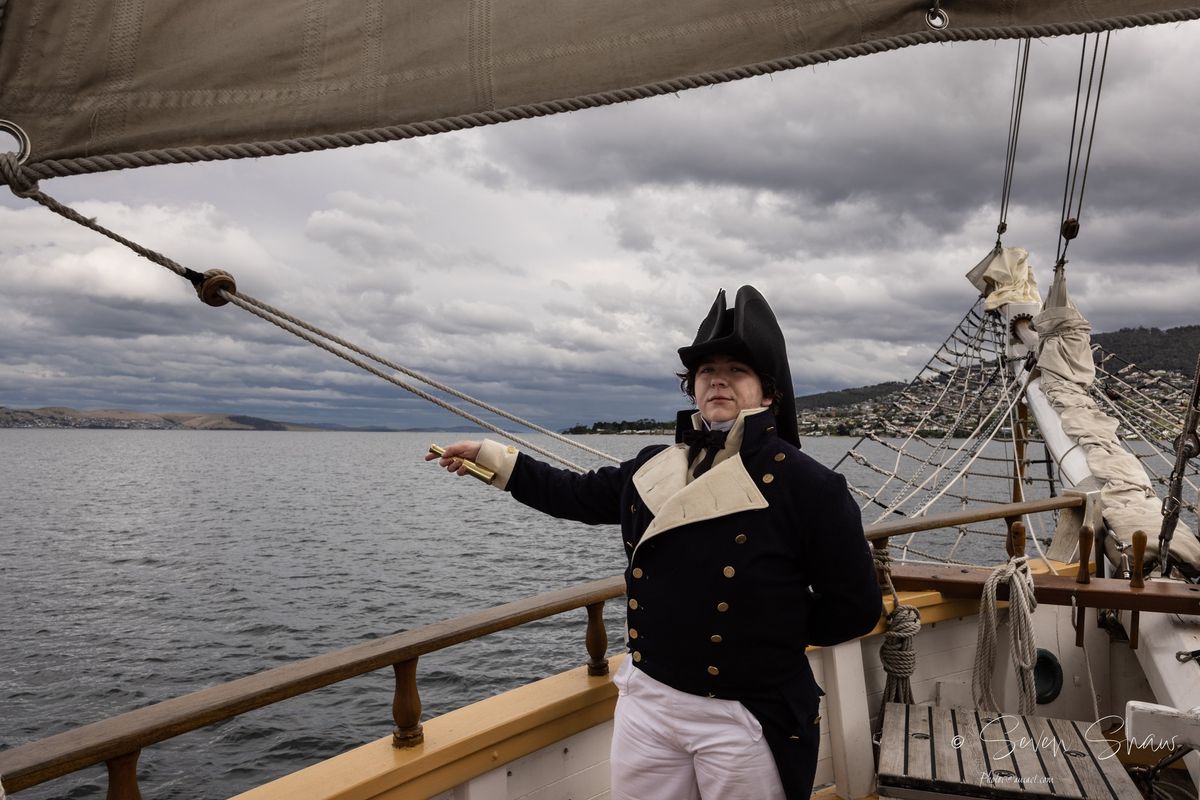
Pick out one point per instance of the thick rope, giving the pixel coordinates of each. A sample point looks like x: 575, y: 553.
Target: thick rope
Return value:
x: 1072, y: 207
x: 23, y: 185
x: 896, y: 654
x: 1014, y: 133
x: 1022, y: 645
x: 245, y: 303
x: 75, y: 166
x: 425, y: 379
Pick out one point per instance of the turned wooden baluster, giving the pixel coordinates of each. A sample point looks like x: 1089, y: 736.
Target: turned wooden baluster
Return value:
x: 597, y: 640
x: 1084, y: 576
x: 406, y: 706
x: 1136, y: 582
x: 122, y: 777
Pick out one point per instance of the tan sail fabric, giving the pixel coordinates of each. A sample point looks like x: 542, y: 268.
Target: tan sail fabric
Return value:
x: 1128, y: 499
x: 1004, y: 277
x: 92, y: 80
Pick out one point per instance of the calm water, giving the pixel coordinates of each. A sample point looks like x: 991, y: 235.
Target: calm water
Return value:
x: 136, y: 566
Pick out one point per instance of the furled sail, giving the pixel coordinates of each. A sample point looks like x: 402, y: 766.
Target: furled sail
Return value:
x: 110, y: 84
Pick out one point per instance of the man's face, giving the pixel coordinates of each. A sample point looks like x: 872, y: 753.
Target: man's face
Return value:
x: 726, y: 386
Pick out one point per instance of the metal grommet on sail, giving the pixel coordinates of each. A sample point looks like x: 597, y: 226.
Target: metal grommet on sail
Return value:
x: 215, y: 281
x: 24, y: 146
x: 936, y: 18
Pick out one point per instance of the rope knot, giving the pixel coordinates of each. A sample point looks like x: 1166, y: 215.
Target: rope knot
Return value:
x: 209, y: 289
x: 18, y: 178
x: 897, y: 655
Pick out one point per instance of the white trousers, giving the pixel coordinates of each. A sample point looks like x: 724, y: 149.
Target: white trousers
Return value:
x: 670, y: 745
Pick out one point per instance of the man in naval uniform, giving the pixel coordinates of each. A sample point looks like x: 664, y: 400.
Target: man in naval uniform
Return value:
x: 742, y: 551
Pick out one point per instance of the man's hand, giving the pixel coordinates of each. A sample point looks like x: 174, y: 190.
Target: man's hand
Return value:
x: 453, y: 456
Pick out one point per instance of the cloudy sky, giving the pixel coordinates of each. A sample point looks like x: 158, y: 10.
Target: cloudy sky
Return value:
x: 553, y: 266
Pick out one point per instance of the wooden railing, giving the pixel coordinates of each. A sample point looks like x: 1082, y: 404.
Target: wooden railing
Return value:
x: 118, y: 741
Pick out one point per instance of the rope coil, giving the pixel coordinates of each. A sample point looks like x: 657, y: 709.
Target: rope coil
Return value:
x: 896, y: 654
x: 1022, y: 644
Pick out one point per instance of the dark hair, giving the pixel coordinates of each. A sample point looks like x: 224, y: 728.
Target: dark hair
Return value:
x: 770, y: 387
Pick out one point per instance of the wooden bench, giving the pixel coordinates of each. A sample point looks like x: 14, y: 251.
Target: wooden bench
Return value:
x: 928, y: 752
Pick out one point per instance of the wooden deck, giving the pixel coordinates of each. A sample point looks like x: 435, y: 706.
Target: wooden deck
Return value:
x: 928, y: 752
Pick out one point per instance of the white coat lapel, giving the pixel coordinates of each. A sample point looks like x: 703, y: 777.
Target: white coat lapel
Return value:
x: 725, y: 489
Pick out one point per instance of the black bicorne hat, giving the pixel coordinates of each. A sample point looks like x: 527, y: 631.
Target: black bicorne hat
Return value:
x: 748, y: 332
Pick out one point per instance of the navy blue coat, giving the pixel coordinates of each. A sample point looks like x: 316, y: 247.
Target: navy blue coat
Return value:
x: 725, y: 600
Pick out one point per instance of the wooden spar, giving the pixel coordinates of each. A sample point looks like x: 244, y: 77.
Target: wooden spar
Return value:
x: 1058, y: 590
x: 999, y: 511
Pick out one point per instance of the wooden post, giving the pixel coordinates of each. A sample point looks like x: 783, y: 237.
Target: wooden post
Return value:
x: 1084, y: 576
x: 122, y: 777
x: 1020, y: 436
x: 1015, y: 542
x: 597, y: 640
x: 406, y: 706
x: 1136, y: 582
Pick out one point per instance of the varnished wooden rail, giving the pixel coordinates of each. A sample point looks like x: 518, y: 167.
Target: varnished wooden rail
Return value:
x: 118, y: 741
x: 1167, y: 597
x: 931, y: 522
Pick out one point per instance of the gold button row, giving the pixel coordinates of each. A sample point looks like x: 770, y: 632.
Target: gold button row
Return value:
x: 715, y: 638
x: 633, y: 603
x: 780, y: 456
x: 728, y: 572
x: 637, y: 572
x: 768, y: 478
x: 722, y: 607
x: 633, y: 634
x: 714, y: 671
x: 740, y: 538
x: 637, y: 656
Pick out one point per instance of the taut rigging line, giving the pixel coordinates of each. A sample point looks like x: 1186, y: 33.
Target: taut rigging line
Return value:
x: 216, y: 288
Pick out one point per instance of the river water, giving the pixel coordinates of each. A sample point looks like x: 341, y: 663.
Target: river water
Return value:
x: 136, y: 566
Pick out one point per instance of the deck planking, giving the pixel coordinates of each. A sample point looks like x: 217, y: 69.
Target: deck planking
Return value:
x: 928, y: 752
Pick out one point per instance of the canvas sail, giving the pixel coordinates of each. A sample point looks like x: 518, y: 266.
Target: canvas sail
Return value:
x: 111, y: 84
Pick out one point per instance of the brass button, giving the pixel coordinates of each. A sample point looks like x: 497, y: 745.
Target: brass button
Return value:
x: 768, y: 478
x: 780, y: 456
x: 633, y: 634
x: 722, y: 606
x: 632, y: 603
x: 740, y: 538
x: 715, y: 638
x: 637, y: 656
x: 714, y: 671
x: 728, y: 572
x: 637, y: 572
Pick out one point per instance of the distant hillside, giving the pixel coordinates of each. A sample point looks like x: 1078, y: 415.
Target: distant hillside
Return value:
x: 62, y: 417
x: 845, y: 397
x: 1152, y: 348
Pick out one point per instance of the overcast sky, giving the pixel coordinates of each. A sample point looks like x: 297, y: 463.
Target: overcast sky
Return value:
x: 554, y: 266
